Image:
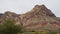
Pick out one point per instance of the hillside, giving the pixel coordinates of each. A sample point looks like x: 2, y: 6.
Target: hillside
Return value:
x: 39, y: 18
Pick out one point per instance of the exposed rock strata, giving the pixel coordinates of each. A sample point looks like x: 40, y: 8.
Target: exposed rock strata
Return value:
x: 39, y: 18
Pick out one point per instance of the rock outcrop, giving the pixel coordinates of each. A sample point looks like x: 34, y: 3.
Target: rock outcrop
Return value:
x: 10, y: 15
x: 39, y: 18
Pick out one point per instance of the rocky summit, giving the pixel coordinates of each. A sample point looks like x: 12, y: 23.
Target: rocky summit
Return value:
x: 39, y: 18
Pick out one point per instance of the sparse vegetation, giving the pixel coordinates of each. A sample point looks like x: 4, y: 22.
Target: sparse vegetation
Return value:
x: 9, y: 27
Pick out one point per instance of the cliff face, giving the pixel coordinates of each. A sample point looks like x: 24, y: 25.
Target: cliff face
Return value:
x: 39, y: 18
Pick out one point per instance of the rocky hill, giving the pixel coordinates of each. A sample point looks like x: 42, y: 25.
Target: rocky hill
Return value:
x: 39, y: 18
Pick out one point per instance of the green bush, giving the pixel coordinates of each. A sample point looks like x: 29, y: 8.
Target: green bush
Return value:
x: 52, y: 32
x: 9, y: 27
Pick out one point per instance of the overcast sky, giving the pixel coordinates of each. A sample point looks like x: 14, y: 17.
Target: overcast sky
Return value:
x: 23, y: 6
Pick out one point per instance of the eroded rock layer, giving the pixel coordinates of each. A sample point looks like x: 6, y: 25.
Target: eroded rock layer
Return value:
x: 39, y: 18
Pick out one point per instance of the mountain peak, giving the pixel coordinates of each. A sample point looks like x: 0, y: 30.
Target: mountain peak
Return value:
x: 39, y: 7
x: 8, y: 12
x: 42, y: 9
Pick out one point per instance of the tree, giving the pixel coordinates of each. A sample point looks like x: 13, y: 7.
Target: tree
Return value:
x: 9, y: 27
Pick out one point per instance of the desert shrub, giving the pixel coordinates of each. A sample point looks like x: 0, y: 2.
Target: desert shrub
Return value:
x: 9, y: 27
x: 33, y: 31
x: 52, y: 32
